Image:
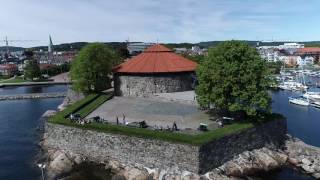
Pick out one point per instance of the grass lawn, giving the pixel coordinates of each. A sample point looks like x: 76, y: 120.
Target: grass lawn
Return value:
x: 15, y: 80
x: 93, y: 101
x: 19, y: 80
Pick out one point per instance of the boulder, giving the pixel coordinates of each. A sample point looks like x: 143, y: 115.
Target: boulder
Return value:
x: 316, y: 175
x: 61, y: 164
x: 293, y: 161
x: 265, y: 161
x: 136, y: 174
x: 114, y: 166
x: 306, y: 161
x: 49, y: 113
x: 308, y: 169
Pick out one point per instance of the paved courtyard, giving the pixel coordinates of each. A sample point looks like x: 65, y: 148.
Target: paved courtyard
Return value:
x: 153, y: 111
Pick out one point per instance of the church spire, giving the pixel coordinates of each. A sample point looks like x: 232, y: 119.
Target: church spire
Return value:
x: 50, y: 47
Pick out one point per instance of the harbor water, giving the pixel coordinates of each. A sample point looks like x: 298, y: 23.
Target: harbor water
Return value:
x: 20, y: 119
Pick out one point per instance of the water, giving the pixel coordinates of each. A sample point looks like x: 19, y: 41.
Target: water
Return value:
x: 302, y: 122
x: 19, y: 138
x: 11, y: 90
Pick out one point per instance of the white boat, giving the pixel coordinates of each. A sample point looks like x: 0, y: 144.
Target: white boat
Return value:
x: 316, y: 104
x: 292, y: 85
x: 299, y: 101
x: 312, y: 95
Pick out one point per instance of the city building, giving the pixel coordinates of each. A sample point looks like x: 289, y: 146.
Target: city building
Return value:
x: 8, y: 69
x: 180, y: 50
x: 311, y: 52
x: 291, y: 46
x: 269, y: 54
x: 136, y: 48
x: 156, y: 70
x: 308, y: 60
x: 290, y: 61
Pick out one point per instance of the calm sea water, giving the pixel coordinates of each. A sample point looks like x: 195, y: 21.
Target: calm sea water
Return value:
x: 20, y: 119
x: 11, y: 90
x: 19, y: 135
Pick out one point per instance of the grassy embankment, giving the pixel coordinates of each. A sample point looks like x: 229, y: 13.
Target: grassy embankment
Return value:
x: 19, y: 79
x: 91, y: 102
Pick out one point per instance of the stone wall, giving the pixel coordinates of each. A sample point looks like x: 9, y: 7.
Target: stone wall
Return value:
x: 161, y: 154
x: 271, y: 135
x: 146, y: 84
x: 124, y: 149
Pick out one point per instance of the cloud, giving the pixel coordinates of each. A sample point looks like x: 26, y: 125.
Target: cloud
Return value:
x: 149, y: 20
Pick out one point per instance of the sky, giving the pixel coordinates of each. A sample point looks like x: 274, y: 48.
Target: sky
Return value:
x: 160, y: 21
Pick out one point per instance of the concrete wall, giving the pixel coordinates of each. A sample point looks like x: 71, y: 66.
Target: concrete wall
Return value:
x: 146, y: 84
x: 161, y: 154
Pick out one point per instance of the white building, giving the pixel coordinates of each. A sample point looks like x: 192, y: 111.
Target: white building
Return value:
x: 136, y: 48
x: 180, y: 50
x: 308, y: 60
x: 270, y: 55
x: 291, y: 46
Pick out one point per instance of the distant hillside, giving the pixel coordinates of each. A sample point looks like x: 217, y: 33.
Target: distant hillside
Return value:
x: 254, y: 43
x: 122, y: 45
x: 78, y: 46
x: 11, y: 48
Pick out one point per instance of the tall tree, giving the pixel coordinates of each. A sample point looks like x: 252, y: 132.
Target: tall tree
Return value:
x: 234, y: 78
x: 32, y: 69
x: 91, y: 69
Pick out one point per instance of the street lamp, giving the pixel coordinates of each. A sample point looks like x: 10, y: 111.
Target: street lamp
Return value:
x: 42, y: 167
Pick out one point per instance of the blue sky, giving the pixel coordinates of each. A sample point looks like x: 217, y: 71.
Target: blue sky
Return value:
x: 162, y: 20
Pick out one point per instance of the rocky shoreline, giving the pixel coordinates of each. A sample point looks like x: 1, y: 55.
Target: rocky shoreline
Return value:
x: 295, y: 153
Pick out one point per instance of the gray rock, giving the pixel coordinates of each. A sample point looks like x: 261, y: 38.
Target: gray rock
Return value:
x: 308, y: 169
x: 49, y: 113
x: 316, y: 175
x: 306, y: 162
x: 293, y: 161
x: 136, y: 174
x: 61, y: 164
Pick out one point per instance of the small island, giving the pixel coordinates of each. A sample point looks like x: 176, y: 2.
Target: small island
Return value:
x: 160, y: 115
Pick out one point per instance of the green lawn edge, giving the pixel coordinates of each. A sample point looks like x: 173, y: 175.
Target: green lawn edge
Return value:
x: 93, y: 101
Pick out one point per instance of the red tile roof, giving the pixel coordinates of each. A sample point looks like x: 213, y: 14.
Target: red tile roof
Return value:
x: 309, y: 50
x: 8, y: 66
x: 156, y: 59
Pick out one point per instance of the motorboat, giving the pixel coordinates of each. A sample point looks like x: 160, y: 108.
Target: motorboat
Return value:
x: 292, y: 85
x: 299, y: 101
x: 312, y: 95
x: 315, y: 104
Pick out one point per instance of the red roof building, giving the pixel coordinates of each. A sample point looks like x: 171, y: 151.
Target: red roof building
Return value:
x: 308, y: 50
x: 8, y: 69
x: 156, y: 59
x: 156, y: 70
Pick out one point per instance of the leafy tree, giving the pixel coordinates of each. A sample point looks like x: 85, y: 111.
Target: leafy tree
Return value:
x: 275, y: 67
x: 32, y: 69
x: 91, y: 69
x: 234, y: 78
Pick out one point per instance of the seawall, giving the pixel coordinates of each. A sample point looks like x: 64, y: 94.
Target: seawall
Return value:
x: 161, y: 154
x: 32, y: 96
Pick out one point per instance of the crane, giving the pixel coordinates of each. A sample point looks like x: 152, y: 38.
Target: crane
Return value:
x: 6, y: 41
